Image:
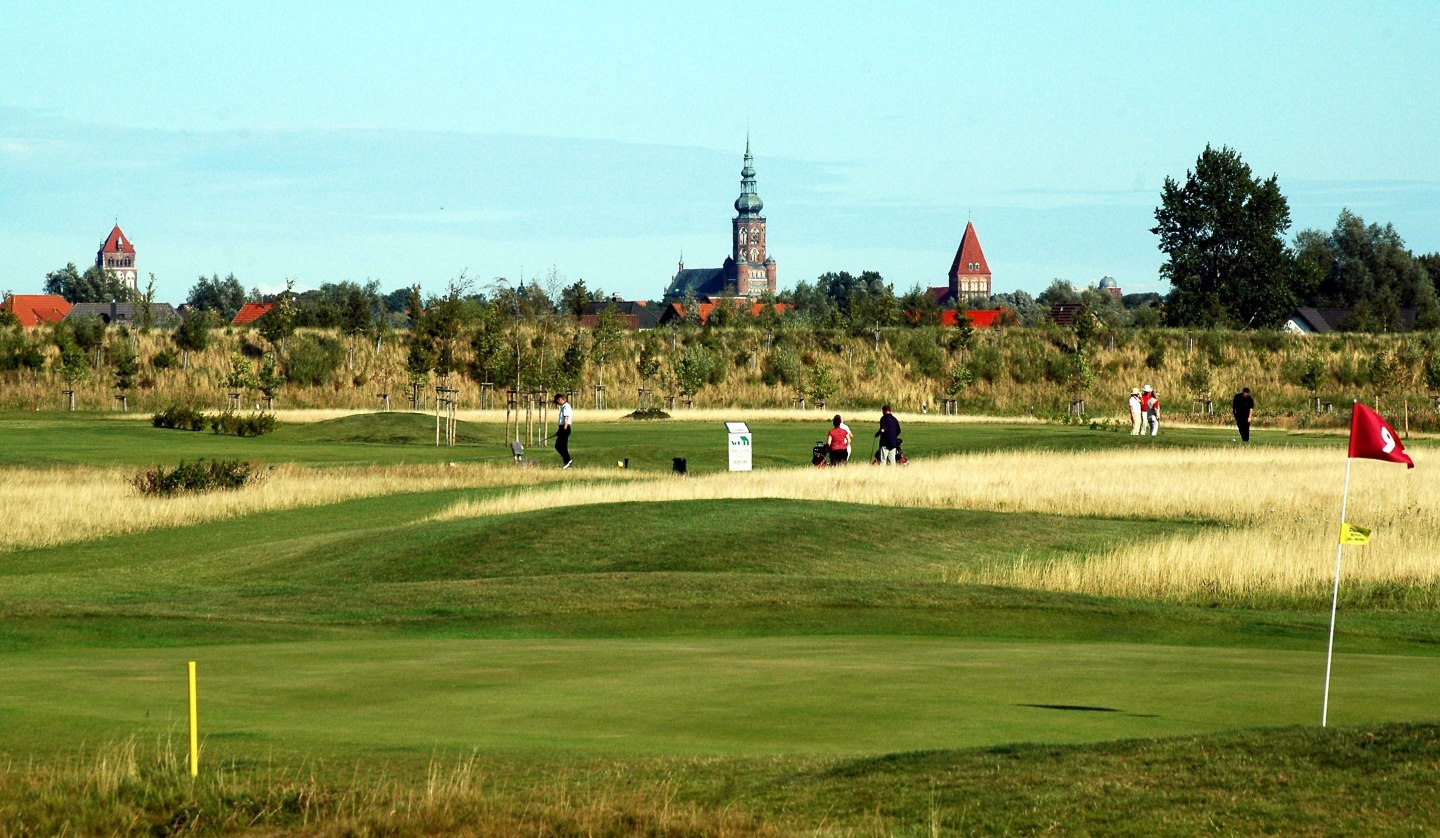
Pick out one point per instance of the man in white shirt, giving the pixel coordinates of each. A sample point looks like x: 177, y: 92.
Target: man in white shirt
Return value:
x: 562, y: 430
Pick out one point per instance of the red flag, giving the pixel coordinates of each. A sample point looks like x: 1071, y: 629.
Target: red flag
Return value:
x: 1371, y: 437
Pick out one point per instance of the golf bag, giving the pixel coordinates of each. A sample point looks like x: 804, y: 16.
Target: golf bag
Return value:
x: 819, y: 454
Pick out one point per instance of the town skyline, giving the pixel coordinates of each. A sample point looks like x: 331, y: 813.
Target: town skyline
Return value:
x: 412, y: 157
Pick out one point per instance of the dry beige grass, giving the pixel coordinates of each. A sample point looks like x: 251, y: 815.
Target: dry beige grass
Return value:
x: 1276, y: 512
x: 47, y: 507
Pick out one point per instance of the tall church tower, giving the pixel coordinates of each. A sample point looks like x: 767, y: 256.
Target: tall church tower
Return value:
x: 754, y: 269
x: 969, y: 273
x: 117, y: 255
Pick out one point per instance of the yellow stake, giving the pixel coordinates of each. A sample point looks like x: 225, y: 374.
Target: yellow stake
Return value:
x: 194, y: 727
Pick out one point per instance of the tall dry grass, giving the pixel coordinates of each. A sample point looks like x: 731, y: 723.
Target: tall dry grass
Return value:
x: 1015, y: 384
x: 126, y: 788
x: 47, y: 507
x: 1273, y: 513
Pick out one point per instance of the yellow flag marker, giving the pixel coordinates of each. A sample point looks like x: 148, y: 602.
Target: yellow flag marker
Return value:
x: 194, y: 727
x: 1351, y: 534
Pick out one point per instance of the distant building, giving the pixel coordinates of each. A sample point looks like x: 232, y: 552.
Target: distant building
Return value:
x: 36, y: 309
x: 969, y: 274
x: 249, y: 313
x: 117, y: 255
x: 1109, y: 285
x: 1064, y: 313
x: 633, y: 314
x: 1312, y: 321
x: 979, y: 318
x: 675, y: 312
x: 749, y: 269
x: 162, y: 315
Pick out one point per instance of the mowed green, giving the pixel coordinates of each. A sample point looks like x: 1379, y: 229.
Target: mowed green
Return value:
x: 364, y: 633
x: 39, y: 440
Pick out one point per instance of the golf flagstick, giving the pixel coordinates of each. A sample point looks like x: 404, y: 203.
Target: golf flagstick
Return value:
x: 1372, y: 438
x: 1335, y: 597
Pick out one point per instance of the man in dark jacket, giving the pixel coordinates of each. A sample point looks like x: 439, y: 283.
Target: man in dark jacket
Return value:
x: 1243, y: 406
x: 889, y: 434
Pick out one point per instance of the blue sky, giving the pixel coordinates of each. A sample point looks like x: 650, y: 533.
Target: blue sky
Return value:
x: 415, y: 142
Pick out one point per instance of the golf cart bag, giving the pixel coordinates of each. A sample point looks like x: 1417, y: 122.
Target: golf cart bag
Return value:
x: 819, y: 454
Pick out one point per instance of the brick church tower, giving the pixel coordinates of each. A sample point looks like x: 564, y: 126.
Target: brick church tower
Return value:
x: 754, y: 269
x: 969, y: 273
x: 117, y: 255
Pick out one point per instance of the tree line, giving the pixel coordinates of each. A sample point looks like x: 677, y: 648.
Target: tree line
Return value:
x: 1229, y: 265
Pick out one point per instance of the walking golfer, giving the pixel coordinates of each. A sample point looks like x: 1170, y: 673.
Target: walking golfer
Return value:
x: 562, y: 430
x: 889, y: 434
x: 1243, y: 406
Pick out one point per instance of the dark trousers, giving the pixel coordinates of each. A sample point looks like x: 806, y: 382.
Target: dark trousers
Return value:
x: 562, y: 445
x: 839, y: 456
x: 1243, y: 424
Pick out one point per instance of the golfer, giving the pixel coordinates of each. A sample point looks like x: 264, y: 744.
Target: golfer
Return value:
x: 839, y: 443
x: 1243, y: 406
x: 562, y: 430
x: 889, y: 434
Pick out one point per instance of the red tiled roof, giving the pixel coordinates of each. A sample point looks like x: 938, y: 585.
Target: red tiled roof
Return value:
x: 249, y: 313
x: 33, y: 309
x: 979, y: 318
x: 678, y: 310
x: 968, y: 254
x: 117, y: 242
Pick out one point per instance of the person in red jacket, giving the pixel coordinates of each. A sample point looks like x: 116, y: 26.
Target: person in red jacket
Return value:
x: 839, y: 443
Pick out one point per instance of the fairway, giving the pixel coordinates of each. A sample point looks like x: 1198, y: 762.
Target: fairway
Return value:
x: 377, y: 603
x: 688, y: 697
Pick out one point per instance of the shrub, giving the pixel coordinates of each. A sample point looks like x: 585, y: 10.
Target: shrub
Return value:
x: 648, y: 413
x: 782, y: 367
x: 920, y: 351
x: 234, y: 424
x: 164, y: 359
x: 987, y: 363
x: 180, y: 418
x: 312, y: 360
x: 1156, y: 359
x: 194, y: 478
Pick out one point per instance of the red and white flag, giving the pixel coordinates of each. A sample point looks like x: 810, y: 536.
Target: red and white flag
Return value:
x: 1372, y: 437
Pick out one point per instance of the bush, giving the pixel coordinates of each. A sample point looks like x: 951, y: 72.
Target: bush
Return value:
x: 179, y: 418
x: 312, y: 360
x: 234, y: 424
x: 164, y: 359
x: 194, y: 478
x: 648, y: 413
x: 987, y: 363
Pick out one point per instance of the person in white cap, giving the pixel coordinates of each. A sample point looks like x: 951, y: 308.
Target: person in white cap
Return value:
x: 1135, y: 413
x: 1150, y: 404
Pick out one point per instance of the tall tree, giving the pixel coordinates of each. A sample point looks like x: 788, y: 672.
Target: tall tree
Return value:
x: 1367, y: 269
x: 95, y: 285
x: 1222, y: 232
x: 222, y: 296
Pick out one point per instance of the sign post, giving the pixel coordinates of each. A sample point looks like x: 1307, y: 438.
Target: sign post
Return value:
x: 740, y: 445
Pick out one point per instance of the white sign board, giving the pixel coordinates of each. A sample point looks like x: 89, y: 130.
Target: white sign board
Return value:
x: 740, y: 445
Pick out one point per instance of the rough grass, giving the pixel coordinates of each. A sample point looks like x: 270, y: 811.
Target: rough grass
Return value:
x: 1289, y: 781
x: 1278, y: 509
x: 60, y: 506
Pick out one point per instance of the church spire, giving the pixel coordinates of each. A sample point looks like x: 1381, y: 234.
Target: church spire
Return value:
x: 749, y: 203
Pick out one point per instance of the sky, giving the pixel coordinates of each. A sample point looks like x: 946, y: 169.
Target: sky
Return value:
x: 430, y: 142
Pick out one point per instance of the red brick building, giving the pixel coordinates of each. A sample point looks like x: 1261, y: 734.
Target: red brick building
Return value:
x: 969, y: 273
x: 117, y: 255
x: 750, y: 270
